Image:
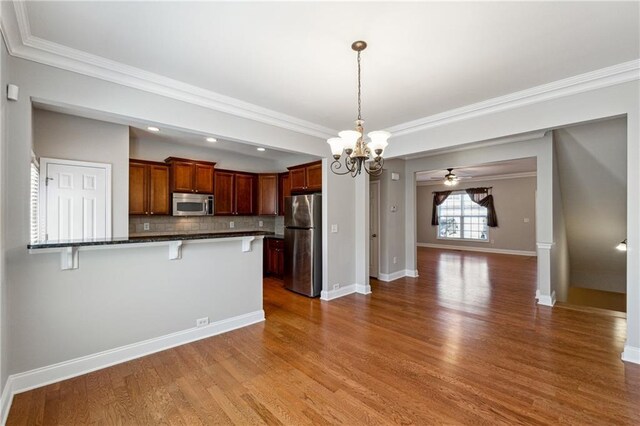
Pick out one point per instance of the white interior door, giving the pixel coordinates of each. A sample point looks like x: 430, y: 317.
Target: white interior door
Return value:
x: 374, y: 228
x: 77, y: 200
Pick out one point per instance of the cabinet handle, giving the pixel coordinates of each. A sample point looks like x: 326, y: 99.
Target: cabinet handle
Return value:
x: 151, y: 213
x: 196, y: 190
x: 146, y: 212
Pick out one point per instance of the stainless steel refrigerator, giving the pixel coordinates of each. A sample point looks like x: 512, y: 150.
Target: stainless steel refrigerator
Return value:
x: 303, y: 244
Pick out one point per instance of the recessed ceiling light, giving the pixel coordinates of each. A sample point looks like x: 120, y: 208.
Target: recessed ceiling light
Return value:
x: 261, y: 149
x: 153, y: 129
x: 210, y: 139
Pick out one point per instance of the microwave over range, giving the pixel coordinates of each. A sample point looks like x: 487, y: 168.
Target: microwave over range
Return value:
x: 192, y: 204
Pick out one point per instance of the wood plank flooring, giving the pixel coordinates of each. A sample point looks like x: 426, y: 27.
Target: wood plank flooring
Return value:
x: 463, y: 344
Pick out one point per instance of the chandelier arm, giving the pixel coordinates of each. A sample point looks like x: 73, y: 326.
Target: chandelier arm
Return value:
x: 336, y: 165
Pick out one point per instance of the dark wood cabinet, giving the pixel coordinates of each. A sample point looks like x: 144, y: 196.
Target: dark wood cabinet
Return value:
x: 284, y: 190
x: 235, y: 193
x: 190, y: 175
x: 306, y: 177
x: 273, y: 257
x: 148, y: 188
x: 268, y: 194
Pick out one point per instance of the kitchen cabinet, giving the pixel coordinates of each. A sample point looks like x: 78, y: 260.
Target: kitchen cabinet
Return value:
x: 190, y: 175
x: 306, y: 177
x: 284, y: 190
x: 148, y: 188
x: 273, y: 257
x: 267, y: 194
x: 235, y: 193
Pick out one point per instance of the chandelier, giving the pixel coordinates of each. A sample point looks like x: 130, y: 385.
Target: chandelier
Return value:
x: 358, y: 155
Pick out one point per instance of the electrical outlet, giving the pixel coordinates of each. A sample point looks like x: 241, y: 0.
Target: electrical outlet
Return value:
x: 394, y: 209
x: 146, y: 226
x: 395, y: 260
x: 232, y: 224
x: 334, y: 229
x: 202, y: 322
x: 260, y: 223
x: 336, y: 286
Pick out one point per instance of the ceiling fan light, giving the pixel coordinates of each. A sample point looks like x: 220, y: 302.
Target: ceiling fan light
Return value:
x: 337, y: 146
x: 349, y: 138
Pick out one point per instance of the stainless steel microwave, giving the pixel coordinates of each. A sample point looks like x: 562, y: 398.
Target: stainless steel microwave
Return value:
x: 192, y: 204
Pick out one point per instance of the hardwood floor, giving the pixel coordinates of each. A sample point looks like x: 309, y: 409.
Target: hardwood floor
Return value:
x: 463, y: 344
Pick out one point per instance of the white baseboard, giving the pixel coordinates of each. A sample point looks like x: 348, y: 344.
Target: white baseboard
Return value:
x: 43, y: 376
x: 363, y: 288
x: 392, y: 276
x: 546, y: 300
x: 479, y: 249
x: 413, y: 273
x: 5, y: 401
x: 334, y: 294
x: 631, y: 354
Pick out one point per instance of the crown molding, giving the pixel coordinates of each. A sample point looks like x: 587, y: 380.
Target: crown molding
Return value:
x: 25, y: 45
x: 609, y: 76
x: 480, y: 178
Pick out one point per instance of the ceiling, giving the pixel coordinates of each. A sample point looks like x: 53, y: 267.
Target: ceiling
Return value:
x: 478, y: 172
x: 295, y: 58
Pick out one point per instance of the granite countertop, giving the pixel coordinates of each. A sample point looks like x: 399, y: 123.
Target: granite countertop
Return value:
x: 275, y: 236
x: 147, y: 239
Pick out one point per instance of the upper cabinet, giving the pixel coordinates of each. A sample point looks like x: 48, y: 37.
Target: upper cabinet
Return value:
x: 190, y: 176
x: 306, y: 177
x: 235, y: 193
x: 268, y: 194
x: 148, y: 188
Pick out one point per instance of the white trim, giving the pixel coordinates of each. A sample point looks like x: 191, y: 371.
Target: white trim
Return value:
x: 39, y: 50
x: 631, y: 354
x: 545, y: 246
x: 44, y: 172
x: 341, y: 292
x: 412, y: 273
x: 5, y: 401
x: 392, y: 276
x: 478, y: 249
x: 604, y: 77
x: 546, y: 300
x: 479, y: 178
x: 363, y: 288
x: 21, y: 382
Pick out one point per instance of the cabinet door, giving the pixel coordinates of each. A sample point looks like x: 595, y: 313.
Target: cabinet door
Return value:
x: 245, y: 194
x: 203, y: 178
x: 314, y: 177
x: 267, y: 194
x: 297, y: 178
x: 223, y: 193
x: 284, y: 190
x: 182, y: 176
x: 158, y: 190
x: 137, y: 188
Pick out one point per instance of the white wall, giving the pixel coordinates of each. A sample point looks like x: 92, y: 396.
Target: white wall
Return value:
x: 560, y: 260
x: 155, y: 150
x: 68, y: 137
x: 514, y: 201
x: 592, y: 173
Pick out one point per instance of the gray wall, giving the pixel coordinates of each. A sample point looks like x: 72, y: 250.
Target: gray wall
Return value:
x: 68, y: 137
x: 155, y: 150
x: 3, y: 200
x: 392, y: 223
x: 592, y: 171
x: 560, y: 266
x: 514, y: 201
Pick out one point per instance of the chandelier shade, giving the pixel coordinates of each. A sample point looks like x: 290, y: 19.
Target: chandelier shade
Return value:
x: 358, y: 154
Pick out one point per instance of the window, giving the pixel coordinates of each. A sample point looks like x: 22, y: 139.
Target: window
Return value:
x: 460, y: 218
x: 34, y: 196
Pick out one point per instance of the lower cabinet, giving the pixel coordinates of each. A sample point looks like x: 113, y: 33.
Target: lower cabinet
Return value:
x: 273, y: 257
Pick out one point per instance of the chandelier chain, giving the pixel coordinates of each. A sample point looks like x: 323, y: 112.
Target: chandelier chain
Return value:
x: 359, y: 101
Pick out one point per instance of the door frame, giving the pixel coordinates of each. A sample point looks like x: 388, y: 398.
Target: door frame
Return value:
x: 376, y: 184
x: 42, y: 198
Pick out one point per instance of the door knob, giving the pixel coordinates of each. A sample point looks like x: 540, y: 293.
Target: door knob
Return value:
x: 373, y: 235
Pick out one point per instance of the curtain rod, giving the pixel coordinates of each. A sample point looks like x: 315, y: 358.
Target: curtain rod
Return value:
x: 481, y: 187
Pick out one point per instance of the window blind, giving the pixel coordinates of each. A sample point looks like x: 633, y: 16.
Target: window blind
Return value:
x: 35, y: 192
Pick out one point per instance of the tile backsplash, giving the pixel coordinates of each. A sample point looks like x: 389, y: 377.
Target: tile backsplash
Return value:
x: 201, y: 224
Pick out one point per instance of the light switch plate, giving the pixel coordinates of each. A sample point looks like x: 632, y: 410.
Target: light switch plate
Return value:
x: 395, y: 176
x: 260, y: 224
x: 334, y: 228
x: 526, y: 220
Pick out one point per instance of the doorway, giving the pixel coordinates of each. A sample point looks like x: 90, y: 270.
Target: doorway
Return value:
x: 374, y: 228
x: 76, y: 199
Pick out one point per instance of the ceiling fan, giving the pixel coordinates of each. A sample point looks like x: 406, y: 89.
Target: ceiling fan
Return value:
x: 450, y: 179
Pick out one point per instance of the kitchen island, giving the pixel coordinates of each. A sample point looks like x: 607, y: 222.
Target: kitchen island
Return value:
x: 99, y: 302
